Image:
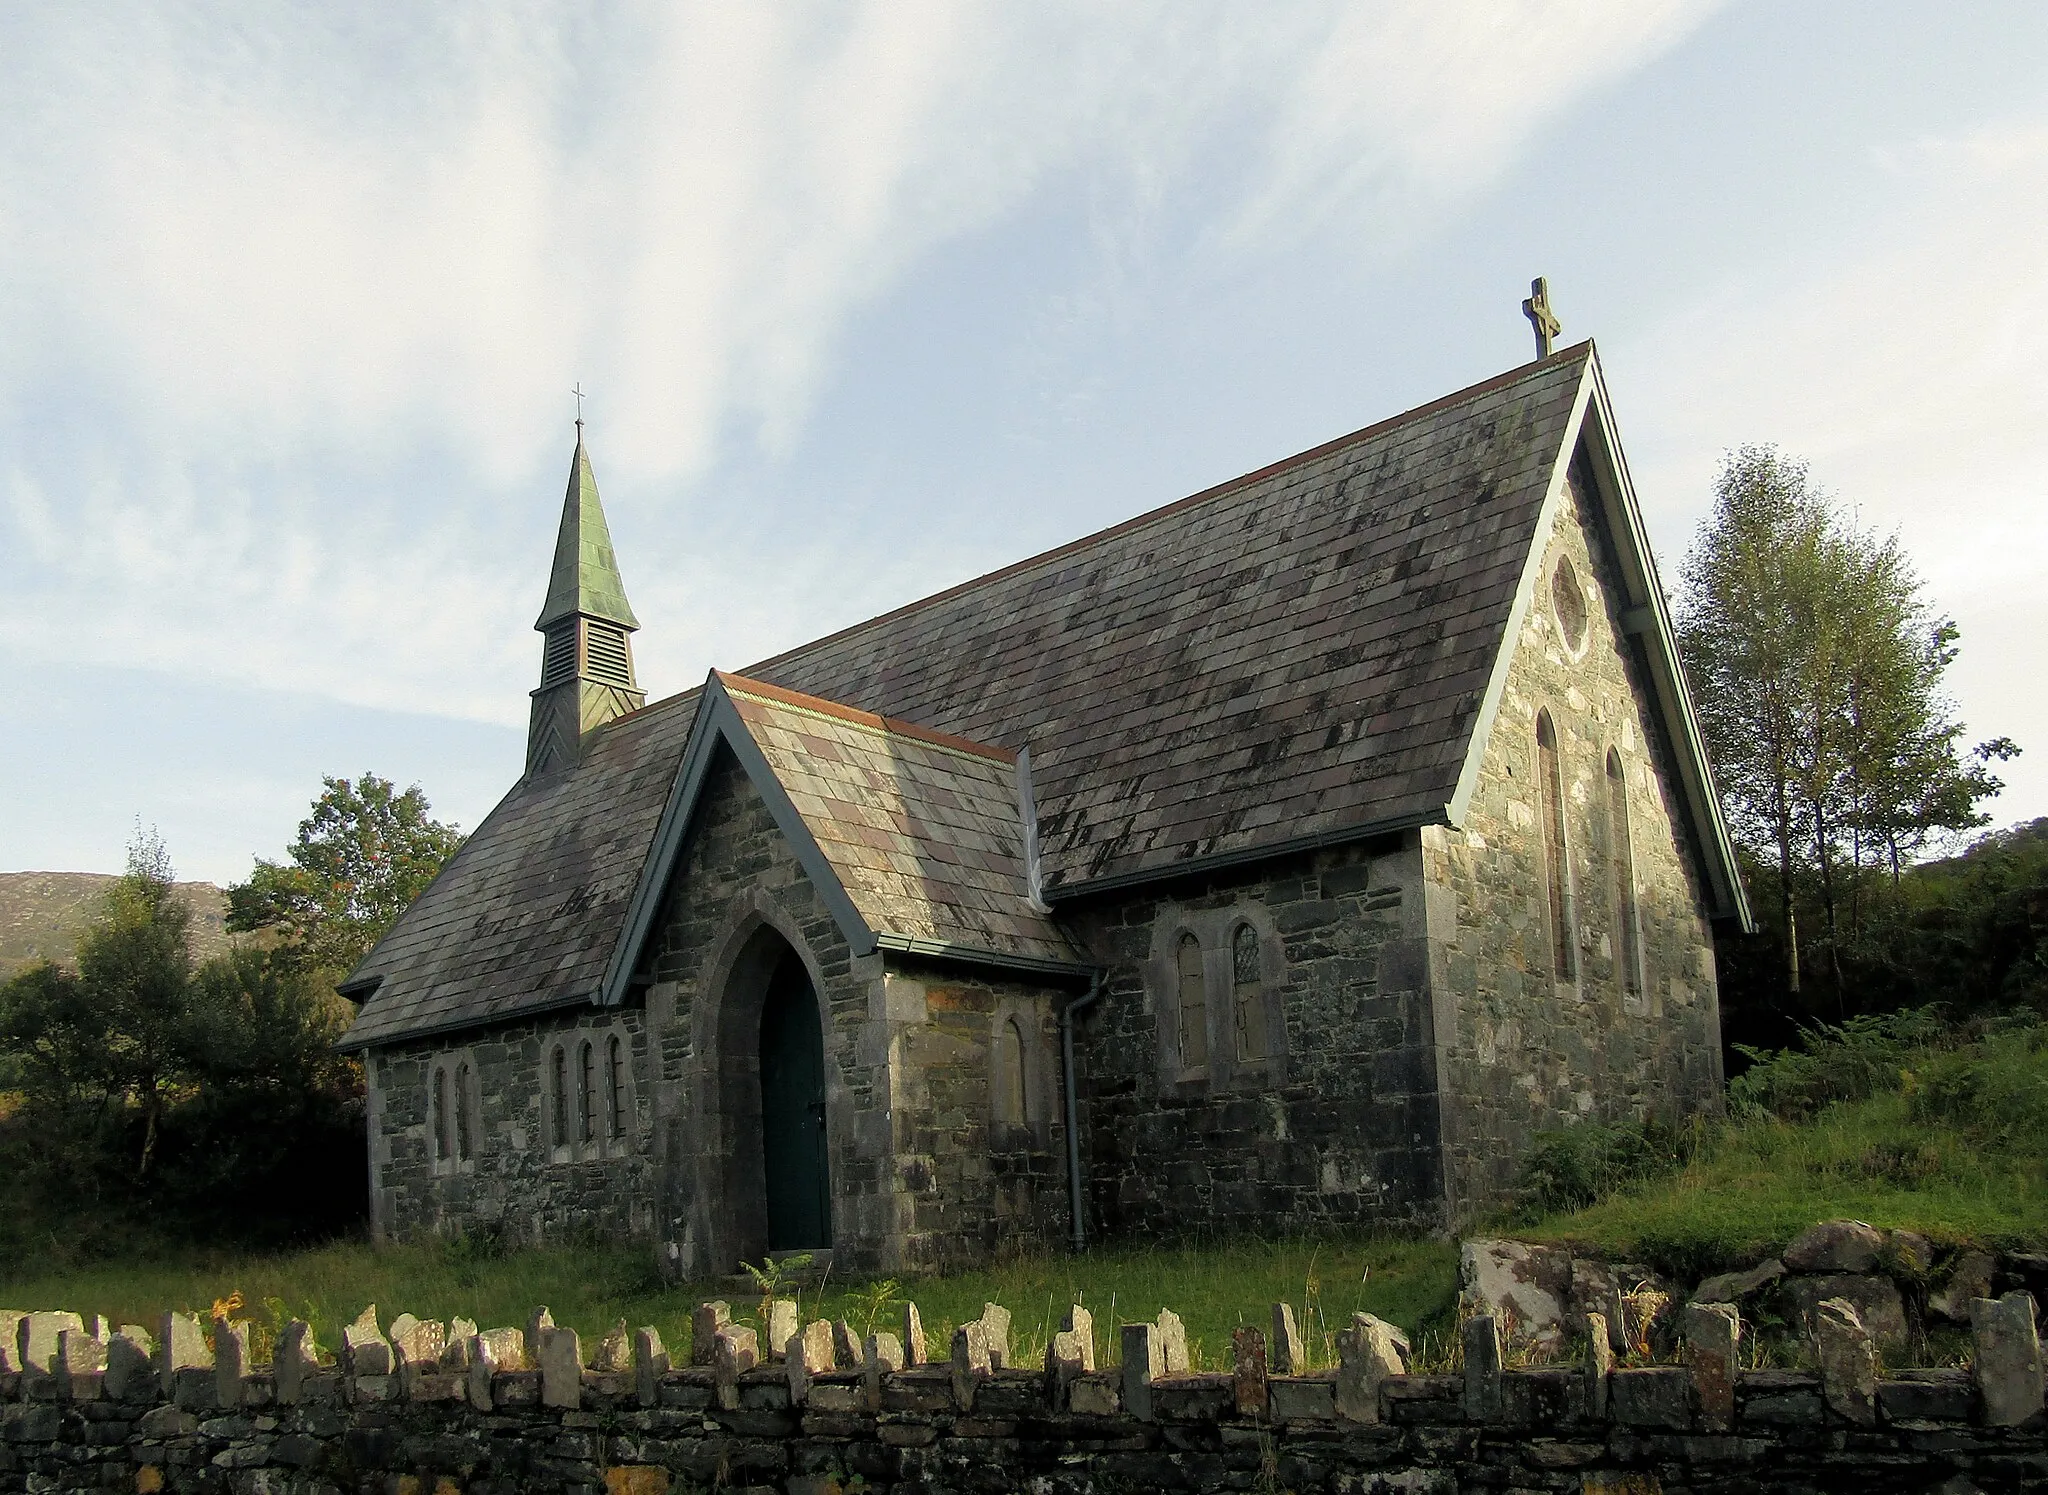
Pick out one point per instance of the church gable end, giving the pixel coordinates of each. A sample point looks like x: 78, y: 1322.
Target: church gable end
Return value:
x: 1575, y: 968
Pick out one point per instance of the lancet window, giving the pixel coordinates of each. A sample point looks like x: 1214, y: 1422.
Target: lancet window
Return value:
x: 1247, y: 994
x: 1557, y: 871
x: 1621, y: 858
x: 1193, y: 1007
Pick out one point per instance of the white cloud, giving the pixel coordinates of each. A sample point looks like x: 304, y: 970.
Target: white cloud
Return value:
x: 1404, y: 106
x: 321, y: 276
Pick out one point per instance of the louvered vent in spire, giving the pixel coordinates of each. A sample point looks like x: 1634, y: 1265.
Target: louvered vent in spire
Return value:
x: 558, y: 656
x: 605, y: 654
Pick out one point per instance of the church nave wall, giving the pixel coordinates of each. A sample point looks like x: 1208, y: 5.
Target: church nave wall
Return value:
x: 1335, y: 1122
x: 468, y: 1135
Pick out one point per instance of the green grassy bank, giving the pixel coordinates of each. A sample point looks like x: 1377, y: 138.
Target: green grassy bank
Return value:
x: 1894, y: 1121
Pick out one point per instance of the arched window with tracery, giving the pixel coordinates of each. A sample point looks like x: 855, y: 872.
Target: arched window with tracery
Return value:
x: 558, y: 1098
x: 1193, y: 1006
x: 462, y: 1104
x: 1011, y: 1107
x: 615, y: 1084
x: 1621, y: 858
x: 1247, y: 994
x: 1557, y: 872
x: 440, y: 1116
x: 586, y: 1092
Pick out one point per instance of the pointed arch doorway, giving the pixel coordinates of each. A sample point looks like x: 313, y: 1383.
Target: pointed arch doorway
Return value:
x: 794, y: 1162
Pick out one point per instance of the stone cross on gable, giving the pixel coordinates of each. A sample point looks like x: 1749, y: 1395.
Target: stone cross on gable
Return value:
x: 1537, y: 309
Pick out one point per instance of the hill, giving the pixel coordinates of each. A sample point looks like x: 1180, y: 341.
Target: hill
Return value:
x: 41, y: 914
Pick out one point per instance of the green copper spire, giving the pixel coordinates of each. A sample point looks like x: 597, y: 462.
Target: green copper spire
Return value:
x: 585, y: 579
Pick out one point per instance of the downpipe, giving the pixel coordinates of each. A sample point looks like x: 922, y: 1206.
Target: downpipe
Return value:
x: 1074, y: 1190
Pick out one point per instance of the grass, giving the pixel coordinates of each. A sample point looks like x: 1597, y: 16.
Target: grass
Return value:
x: 1761, y: 1183
x: 1893, y: 1121
x: 1946, y: 1136
x: 1214, y: 1290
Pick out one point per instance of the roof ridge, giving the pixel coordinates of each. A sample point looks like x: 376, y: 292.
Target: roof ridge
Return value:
x: 819, y: 706
x: 1151, y: 516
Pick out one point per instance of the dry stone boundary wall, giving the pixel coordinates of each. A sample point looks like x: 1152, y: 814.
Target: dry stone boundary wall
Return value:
x: 423, y: 1408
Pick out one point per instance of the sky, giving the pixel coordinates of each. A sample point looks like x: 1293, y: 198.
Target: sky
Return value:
x: 869, y: 299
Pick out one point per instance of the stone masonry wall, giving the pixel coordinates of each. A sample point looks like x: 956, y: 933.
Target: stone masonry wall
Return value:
x: 1523, y: 1052
x: 424, y: 1410
x: 515, y: 1181
x: 917, y: 1177
x: 980, y: 1182
x: 1338, y: 1126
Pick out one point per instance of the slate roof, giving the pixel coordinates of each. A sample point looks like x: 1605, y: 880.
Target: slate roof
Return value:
x: 923, y: 830
x: 1292, y: 655
x: 1295, y: 656
x: 528, y: 912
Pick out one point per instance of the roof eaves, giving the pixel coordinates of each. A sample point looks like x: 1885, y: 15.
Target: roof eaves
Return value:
x: 1264, y: 851
x: 974, y: 955
x: 350, y: 1044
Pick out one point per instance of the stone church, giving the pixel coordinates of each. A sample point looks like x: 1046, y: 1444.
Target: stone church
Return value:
x: 1283, y: 858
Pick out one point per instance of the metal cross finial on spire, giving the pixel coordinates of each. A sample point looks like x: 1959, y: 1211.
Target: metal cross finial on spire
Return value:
x: 1537, y: 310
x: 578, y: 392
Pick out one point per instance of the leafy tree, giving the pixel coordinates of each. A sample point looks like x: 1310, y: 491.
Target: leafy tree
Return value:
x: 364, y: 853
x: 1753, y: 579
x: 114, y: 1033
x: 211, y: 1095
x: 1818, y: 666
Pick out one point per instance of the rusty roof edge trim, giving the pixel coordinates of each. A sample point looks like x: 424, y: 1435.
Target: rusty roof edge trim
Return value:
x: 1667, y: 669
x: 463, y: 1025
x: 949, y: 950
x: 719, y: 722
x: 1525, y: 593
x: 1264, y: 851
x: 796, y: 700
x: 1193, y: 500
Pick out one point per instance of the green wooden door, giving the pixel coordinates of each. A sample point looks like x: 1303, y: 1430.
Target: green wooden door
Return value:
x: 793, y: 1114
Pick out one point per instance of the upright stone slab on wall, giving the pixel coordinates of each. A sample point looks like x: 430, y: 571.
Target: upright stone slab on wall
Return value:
x: 2008, y: 1359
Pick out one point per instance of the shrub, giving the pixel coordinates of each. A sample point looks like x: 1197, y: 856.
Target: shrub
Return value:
x: 1581, y: 1165
x: 1860, y: 1058
x: 1996, y: 1089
